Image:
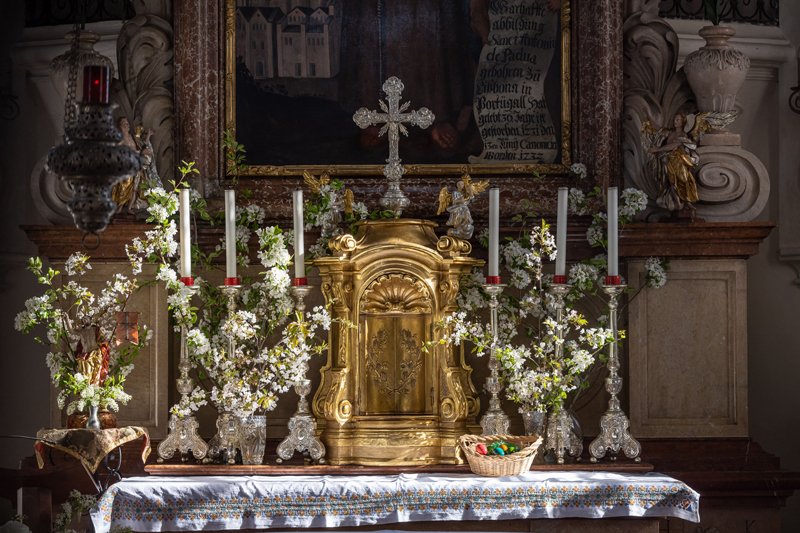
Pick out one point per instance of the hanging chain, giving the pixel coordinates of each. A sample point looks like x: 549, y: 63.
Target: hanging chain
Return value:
x: 72, y: 81
x: 70, y: 111
x: 379, y: 8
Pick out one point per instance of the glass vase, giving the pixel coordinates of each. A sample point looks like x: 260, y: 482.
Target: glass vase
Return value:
x: 252, y: 438
x: 564, y: 435
x: 535, y: 422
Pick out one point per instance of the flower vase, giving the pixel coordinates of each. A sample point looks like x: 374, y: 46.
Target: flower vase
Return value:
x: 564, y: 435
x: 535, y: 422
x: 252, y: 436
x: 78, y: 420
x: 716, y: 71
x: 93, y: 422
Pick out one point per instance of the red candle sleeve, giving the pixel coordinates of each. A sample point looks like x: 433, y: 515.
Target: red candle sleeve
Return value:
x: 96, y: 82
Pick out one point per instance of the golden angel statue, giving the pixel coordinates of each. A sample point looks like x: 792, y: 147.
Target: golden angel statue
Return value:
x: 349, y: 200
x: 672, y: 157
x: 127, y: 193
x: 457, y: 204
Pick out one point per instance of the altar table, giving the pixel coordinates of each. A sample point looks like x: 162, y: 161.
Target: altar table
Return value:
x: 162, y: 503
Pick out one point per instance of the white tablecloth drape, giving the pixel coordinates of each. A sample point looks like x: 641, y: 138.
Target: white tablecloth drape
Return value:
x: 261, y: 502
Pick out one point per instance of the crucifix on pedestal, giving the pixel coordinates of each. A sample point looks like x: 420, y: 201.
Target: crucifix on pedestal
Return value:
x: 394, y: 117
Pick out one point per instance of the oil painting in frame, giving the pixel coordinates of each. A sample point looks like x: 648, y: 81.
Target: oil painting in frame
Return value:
x: 496, y: 73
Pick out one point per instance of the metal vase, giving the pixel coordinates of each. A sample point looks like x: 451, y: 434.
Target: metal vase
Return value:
x: 93, y: 421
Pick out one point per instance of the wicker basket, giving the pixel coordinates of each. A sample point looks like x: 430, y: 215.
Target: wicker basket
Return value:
x: 500, y: 465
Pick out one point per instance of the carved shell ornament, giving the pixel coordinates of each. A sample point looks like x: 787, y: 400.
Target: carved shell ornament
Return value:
x: 395, y: 293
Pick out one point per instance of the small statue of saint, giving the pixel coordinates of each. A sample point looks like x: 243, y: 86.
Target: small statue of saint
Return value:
x: 92, y: 357
x: 672, y: 158
x: 128, y: 192
x: 457, y: 204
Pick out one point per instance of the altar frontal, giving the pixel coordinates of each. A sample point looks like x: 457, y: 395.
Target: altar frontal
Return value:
x: 235, y: 502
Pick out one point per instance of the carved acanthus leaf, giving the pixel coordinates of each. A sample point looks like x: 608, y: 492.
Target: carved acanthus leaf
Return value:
x: 144, y: 94
x: 654, y: 91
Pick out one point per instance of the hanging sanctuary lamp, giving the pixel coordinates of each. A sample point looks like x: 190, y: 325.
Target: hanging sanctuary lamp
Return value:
x: 91, y: 159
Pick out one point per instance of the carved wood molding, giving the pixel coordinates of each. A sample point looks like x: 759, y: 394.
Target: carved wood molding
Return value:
x: 700, y: 239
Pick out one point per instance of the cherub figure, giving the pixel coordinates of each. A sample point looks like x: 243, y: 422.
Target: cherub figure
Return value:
x: 672, y: 157
x: 315, y: 184
x: 457, y: 204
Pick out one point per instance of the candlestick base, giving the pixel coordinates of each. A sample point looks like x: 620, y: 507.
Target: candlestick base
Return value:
x: 302, y: 430
x: 615, y: 437
x: 182, y: 438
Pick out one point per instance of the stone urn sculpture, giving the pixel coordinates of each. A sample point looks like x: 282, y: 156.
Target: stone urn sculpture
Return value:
x: 716, y: 71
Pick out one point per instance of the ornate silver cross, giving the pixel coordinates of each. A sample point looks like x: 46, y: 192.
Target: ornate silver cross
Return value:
x: 393, y: 118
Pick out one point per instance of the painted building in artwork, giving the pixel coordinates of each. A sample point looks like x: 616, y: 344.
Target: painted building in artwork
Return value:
x: 289, y: 38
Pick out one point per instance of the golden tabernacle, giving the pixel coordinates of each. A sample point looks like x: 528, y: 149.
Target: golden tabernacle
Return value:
x: 383, y: 398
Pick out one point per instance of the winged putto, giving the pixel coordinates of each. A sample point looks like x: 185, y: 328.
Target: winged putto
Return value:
x: 457, y: 204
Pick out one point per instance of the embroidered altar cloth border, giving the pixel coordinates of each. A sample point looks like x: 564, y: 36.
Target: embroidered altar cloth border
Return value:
x: 199, y: 503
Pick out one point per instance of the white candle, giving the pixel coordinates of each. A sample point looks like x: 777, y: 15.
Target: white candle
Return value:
x: 613, y: 243
x: 494, y: 231
x: 561, y: 232
x: 299, y: 245
x: 186, y: 240
x: 230, y: 233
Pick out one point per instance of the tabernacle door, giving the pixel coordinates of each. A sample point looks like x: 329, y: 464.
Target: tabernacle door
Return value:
x: 395, y: 323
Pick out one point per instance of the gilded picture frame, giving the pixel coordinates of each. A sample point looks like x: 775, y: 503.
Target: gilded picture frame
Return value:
x: 257, y: 166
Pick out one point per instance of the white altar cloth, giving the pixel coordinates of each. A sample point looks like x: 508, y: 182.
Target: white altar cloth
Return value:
x: 261, y: 502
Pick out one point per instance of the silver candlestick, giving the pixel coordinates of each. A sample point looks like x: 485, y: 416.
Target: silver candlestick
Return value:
x: 302, y: 426
x: 560, y: 436
x: 225, y: 442
x: 182, y: 436
x: 494, y: 421
x: 614, y: 424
